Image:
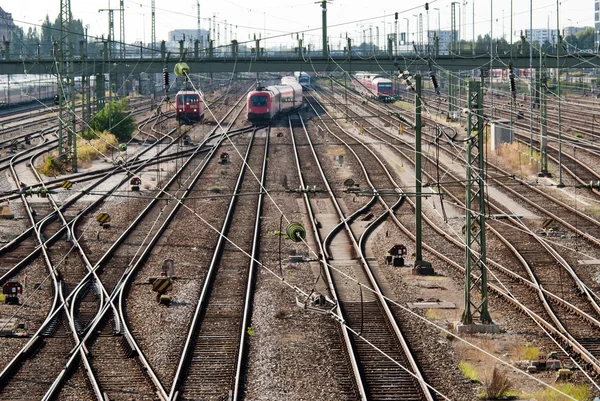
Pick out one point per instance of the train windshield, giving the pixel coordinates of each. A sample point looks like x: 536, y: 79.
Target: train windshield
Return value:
x: 258, y: 101
x: 385, y: 87
x: 191, y: 98
x: 304, y: 79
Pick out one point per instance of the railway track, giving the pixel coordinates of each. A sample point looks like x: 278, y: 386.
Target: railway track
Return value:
x: 570, y: 303
x: 377, y: 368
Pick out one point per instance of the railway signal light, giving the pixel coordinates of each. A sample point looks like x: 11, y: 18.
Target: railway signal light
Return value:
x: 165, y: 77
x: 56, y: 100
x: 434, y: 82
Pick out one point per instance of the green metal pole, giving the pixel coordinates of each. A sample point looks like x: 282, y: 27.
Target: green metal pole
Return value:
x: 418, y: 173
x: 421, y: 266
x: 558, y: 125
x: 475, y: 212
x: 324, y: 14
x: 543, y: 118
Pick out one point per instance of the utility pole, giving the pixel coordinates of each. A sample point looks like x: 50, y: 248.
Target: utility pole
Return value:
x: 199, y: 30
x: 476, y: 295
x: 111, y: 47
x: 420, y: 39
x: 153, y: 31
x: 452, y: 105
x: 111, y: 29
x: 421, y: 267
x: 491, y: 60
x: 67, y: 139
x: 558, y: 125
x: 324, y: 17
x: 122, y: 27
x: 543, y: 116
x: 453, y: 26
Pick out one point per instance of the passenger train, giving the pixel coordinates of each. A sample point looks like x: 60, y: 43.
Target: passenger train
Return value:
x: 373, y: 85
x: 303, y: 79
x: 26, y: 90
x: 189, y: 107
x: 266, y: 103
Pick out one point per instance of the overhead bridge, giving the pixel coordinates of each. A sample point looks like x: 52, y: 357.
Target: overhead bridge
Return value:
x: 247, y: 62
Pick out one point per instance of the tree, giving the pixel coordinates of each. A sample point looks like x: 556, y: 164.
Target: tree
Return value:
x: 585, y: 38
x: 115, y: 118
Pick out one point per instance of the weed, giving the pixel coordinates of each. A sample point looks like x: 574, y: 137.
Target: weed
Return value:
x: 52, y: 167
x: 432, y: 314
x: 91, y: 149
x: 528, y: 352
x: 498, y: 386
x: 215, y: 189
x: 514, y: 156
x: 469, y: 371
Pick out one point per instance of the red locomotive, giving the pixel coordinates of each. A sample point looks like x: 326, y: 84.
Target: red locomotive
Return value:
x: 266, y: 103
x: 189, y: 107
x: 373, y: 85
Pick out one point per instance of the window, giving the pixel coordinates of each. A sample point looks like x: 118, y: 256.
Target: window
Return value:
x: 259, y: 101
x: 385, y: 87
x: 191, y: 98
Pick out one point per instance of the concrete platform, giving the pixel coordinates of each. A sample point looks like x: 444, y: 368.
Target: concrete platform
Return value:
x: 477, y: 328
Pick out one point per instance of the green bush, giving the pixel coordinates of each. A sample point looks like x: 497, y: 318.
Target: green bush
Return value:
x: 51, y: 167
x: 114, y: 118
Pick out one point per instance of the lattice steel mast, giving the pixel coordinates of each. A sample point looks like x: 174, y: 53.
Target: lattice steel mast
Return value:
x: 476, y: 298
x: 67, y: 140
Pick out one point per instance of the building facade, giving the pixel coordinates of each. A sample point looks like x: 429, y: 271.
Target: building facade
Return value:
x: 541, y: 35
x: 445, y: 39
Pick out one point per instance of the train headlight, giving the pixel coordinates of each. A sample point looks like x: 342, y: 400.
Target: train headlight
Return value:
x: 195, y: 109
x: 268, y: 110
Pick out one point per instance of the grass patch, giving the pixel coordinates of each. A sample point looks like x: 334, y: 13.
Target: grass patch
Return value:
x: 215, y: 188
x: 432, y: 314
x: 577, y: 391
x: 93, y: 148
x: 515, y: 157
x: 404, y: 105
x: 469, y: 371
x: 528, y: 352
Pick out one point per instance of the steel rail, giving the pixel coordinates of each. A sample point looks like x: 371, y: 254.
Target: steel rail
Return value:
x: 563, y: 333
x: 374, y: 283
